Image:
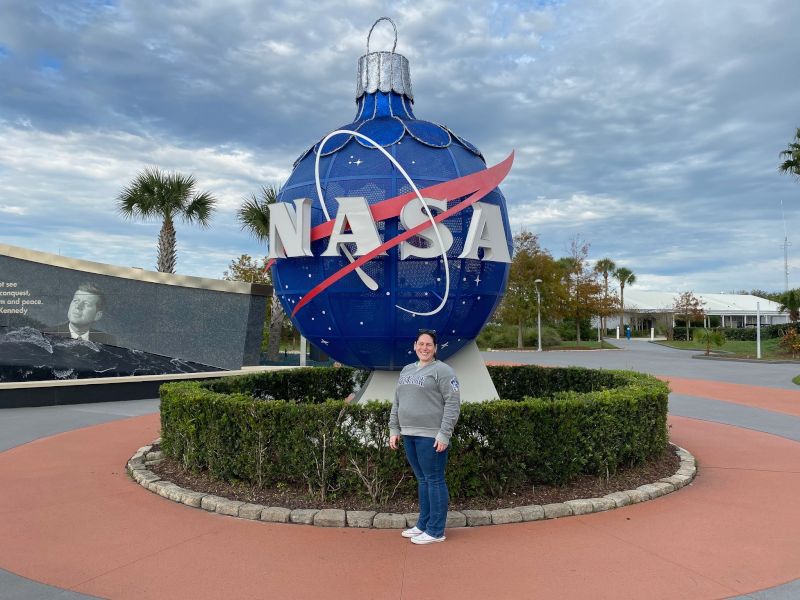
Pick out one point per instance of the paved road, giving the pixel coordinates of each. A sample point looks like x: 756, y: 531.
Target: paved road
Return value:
x: 642, y: 355
x: 19, y: 426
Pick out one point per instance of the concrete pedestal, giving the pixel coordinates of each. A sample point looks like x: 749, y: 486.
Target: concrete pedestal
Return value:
x: 473, y: 379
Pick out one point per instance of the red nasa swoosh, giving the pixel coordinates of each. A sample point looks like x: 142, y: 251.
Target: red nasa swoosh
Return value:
x: 477, y: 184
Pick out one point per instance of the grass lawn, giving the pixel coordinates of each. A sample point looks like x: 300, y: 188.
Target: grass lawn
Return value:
x: 736, y: 348
x: 569, y: 345
x: 583, y: 345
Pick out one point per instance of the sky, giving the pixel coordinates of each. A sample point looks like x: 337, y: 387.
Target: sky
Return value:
x: 651, y: 130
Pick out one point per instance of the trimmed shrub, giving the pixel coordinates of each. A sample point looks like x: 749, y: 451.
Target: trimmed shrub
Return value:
x: 746, y: 334
x: 294, y: 385
x: 505, y: 336
x: 768, y: 332
x: 553, y: 425
x: 566, y: 329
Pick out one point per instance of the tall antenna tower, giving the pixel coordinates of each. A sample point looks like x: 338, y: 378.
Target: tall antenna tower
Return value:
x: 786, y: 245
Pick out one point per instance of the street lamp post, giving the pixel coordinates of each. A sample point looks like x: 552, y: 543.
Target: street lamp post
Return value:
x: 758, y: 330
x: 538, y: 314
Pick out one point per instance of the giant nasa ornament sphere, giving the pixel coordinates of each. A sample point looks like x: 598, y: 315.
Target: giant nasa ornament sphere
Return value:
x: 358, y: 232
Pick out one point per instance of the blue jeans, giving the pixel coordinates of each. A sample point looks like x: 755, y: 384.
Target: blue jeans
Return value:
x: 429, y: 467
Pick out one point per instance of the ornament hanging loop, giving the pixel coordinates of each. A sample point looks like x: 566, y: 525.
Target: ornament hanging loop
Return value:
x: 394, y: 47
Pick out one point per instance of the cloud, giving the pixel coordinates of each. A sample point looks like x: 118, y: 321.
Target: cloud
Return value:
x: 651, y: 129
x: 12, y: 210
x: 70, y: 182
x: 577, y: 210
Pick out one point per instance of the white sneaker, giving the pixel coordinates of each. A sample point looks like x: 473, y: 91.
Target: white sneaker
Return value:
x: 410, y: 533
x: 424, y: 538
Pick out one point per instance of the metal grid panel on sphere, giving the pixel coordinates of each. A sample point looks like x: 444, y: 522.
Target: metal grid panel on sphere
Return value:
x: 365, y: 328
x: 362, y: 328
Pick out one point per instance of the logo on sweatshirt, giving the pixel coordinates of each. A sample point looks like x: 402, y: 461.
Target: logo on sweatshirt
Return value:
x: 413, y: 380
x: 454, y: 384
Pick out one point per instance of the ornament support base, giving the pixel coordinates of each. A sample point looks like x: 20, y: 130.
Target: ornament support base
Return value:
x: 473, y: 378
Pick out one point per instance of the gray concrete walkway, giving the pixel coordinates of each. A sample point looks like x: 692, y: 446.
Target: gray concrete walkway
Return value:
x: 20, y: 426
x: 642, y: 355
x: 23, y: 425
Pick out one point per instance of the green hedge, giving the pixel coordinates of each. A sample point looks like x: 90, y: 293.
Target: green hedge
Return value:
x: 585, y: 422
x: 505, y: 336
x: 309, y: 385
x: 768, y: 332
x: 747, y: 334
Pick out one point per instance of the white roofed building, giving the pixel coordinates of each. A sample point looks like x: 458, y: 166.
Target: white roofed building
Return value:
x: 644, y: 310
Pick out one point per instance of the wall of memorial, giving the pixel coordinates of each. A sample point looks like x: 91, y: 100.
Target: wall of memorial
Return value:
x: 186, y: 319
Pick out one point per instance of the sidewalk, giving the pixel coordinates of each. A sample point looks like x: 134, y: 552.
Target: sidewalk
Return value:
x: 70, y: 517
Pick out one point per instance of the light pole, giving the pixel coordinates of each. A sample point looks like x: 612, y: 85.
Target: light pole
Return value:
x: 536, y: 283
x: 758, y: 329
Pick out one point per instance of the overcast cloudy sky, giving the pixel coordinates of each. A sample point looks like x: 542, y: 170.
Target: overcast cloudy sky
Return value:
x: 650, y: 129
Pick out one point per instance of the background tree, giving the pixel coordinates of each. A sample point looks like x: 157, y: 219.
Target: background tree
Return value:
x: 791, y: 157
x: 790, y: 302
x: 605, y: 267
x: 530, y: 262
x: 253, y: 216
x: 690, y: 307
x: 712, y: 336
x: 774, y: 296
x: 584, y: 293
x: 624, y: 277
x: 246, y: 268
x: 153, y: 194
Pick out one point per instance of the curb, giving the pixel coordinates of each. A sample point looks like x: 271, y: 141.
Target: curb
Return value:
x: 761, y: 361
x: 529, y: 350
x: 332, y: 517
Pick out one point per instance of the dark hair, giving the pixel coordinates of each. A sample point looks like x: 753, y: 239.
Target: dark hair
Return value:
x: 430, y: 332
x: 91, y: 288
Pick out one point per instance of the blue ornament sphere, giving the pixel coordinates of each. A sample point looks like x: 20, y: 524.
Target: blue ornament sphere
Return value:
x: 365, y: 328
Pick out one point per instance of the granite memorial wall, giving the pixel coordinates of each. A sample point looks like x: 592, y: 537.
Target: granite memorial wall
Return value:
x: 84, y: 316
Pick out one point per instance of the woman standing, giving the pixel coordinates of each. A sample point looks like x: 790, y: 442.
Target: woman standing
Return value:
x: 425, y: 410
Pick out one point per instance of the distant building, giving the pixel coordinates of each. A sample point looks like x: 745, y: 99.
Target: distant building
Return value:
x: 644, y: 310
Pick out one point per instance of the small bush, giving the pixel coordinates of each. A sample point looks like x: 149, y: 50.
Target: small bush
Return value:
x: 567, y: 331
x: 553, y: 425
x: 790, y: 343
x: 505, y: 336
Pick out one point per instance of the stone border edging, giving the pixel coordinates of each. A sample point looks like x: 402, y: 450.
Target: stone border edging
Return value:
x: 335, y: 517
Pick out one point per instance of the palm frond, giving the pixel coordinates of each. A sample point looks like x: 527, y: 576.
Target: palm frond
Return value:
x: 791, y: 164
x: 624, y: 276
x: 253, y: 215
x: 200, y: 209
x: 139, y: 200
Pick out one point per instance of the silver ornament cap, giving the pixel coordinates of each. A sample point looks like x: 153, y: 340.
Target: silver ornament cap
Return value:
x: 384, y: 71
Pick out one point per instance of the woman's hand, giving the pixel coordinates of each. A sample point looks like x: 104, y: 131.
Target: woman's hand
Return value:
x: 393, y: 441
x: 439, y: 446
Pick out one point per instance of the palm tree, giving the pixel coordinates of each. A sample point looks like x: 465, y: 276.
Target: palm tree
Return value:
x: 625, y: 277
x: 605, y: 267
x: 167, y: 195
x: 790, y: 302
x: 254, y: 217
x: 791, y: 163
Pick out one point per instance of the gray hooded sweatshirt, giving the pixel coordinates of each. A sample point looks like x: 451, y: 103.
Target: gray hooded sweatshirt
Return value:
x: 427, y: 402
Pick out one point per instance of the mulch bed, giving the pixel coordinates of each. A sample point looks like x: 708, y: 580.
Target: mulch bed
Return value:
x: 585, y: 486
